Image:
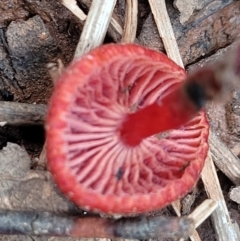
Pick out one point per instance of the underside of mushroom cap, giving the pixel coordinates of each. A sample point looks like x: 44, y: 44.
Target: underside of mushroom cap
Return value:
x: 86, y: 156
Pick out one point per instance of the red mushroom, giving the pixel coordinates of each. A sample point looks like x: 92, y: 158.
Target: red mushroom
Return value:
x: 117, y: 138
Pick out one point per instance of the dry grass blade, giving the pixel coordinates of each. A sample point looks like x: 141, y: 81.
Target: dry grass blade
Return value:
x: 96, y: 25
x: 225, y: 230
x: 116, y: 26
x: 226, y: 161
x: 130, y: 25
x: 72, y: 6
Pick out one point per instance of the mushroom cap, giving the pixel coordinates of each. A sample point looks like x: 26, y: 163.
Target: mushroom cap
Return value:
x: 86, y: 156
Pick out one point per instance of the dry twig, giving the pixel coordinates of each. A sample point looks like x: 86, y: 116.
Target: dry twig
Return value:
x: 50, y: 224
x: 14, y: 113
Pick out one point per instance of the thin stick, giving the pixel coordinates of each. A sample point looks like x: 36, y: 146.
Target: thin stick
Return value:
x: 130, y: 25
x: 14, y: 113
x: 96, y: 26
x: 50, y: 224
x: 221, y: 219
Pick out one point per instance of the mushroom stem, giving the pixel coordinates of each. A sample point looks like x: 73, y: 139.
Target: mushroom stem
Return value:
x: 182, y: 104
x: 170, y: 112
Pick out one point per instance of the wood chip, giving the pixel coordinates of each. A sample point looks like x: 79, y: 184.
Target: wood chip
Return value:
x: 234, y: 194
x: 96, y: 26
x: 130, y: 25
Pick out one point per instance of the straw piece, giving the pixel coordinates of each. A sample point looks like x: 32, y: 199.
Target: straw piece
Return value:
x: 115, y: 29
x: 164, y: 26
x: 221, y: 219
x: 96, y: 26
x: 130, y: 26
x: 72, y: 6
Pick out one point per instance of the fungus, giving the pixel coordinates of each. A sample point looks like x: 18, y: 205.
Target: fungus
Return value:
x: 125, y: 130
